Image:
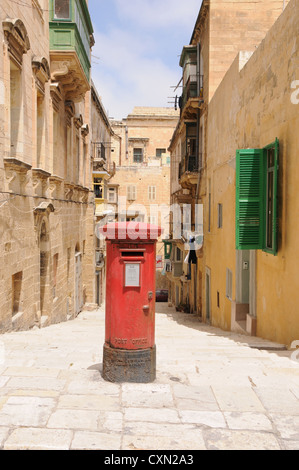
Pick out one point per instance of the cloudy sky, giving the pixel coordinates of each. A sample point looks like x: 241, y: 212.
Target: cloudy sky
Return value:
x: 135, y: 60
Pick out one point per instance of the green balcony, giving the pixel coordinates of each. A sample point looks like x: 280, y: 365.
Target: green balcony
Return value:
x: 71, y: 39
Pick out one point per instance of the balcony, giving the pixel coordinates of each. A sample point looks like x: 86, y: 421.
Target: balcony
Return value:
x: 71, y: 38
x: 188, y: 170
x: 192, y: 97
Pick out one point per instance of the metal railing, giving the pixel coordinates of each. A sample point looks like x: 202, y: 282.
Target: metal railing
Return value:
x: 192, y: 89
x: 190, y: 164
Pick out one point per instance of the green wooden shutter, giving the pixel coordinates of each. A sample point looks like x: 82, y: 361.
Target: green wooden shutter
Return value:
x: 274, y: 146
x: 249, y: 199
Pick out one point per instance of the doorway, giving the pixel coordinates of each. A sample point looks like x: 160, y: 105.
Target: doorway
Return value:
x: 208, y: 294
x: 44, y: 270
x: 78, y: 281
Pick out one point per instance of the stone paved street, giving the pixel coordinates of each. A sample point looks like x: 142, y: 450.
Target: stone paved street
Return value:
x: 214, y: 390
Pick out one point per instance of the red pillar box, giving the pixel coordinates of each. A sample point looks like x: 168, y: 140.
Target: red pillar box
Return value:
x: 130, y: 350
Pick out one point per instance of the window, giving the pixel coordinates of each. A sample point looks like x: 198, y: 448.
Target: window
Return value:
x: 16, y: 292
x: 98, y: 188
x: 159, y: 152
x: 152, y: 193
x: 131, y: 193
x: 256, y: 198
x: 62, y: 9
x: 16, y: 108
x: 78, y: 159
x: 229, y: 284
x: 138, y: 155
x: 219, y: 224
x: 112, y: 195
x: 178, y: 254
x: 55, y: 268
x: 152, y: 219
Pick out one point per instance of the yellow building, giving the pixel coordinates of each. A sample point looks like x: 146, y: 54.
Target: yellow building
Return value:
x: 221, y: 30
x: 251, y: 257
x: 236, y: 106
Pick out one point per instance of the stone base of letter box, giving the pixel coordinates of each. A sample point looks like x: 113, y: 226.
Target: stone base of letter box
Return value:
x: 120, y: 365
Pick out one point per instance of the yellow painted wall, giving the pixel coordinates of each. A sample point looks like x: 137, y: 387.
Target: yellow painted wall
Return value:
x: 252, y: 107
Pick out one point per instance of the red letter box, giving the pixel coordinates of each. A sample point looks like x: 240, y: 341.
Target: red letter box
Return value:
x: 130, y: 350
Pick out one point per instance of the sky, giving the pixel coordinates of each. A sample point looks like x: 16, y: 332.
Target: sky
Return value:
x: 135, y: 60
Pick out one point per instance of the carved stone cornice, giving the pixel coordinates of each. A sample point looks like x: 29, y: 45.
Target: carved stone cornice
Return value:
x: 40, y: 180
x: 78, y: 121
x: 69, y: 112
x: 84, y: 195
x: 55, y: 185
x: 67, y: 70
x: 68, y: 190
x: 16, y: 175
x: 41, y: 72
x: 17, y: 39
x: 85, y: 130
x: 56, y: 95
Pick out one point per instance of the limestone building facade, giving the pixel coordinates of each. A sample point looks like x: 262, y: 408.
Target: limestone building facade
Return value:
x: 244, y: 107
x: 46, y: 195
x: 140, y: 188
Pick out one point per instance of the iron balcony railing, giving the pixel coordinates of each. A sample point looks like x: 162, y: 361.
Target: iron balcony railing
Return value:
x: 190, y: 164
x: 192, y: 89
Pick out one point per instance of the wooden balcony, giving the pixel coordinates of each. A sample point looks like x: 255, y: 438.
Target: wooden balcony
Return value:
x: 192, y: 97
x: 71, y: 39
x: 189, y: 168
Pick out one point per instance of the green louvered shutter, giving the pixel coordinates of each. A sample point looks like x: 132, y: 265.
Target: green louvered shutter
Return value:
x: 249, y: 199
x: 271, y: 166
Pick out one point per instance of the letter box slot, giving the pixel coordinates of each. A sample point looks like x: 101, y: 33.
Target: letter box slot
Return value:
x: 132, y: 254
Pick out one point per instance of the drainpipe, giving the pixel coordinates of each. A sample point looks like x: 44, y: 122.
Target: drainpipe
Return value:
x: 198, y: 118
x: 127, y: 147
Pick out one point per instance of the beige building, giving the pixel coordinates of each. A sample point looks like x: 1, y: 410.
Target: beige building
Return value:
x: 140, y: 188
x: 46, y: 198
x: 221, y: 31
x: 102, y: 171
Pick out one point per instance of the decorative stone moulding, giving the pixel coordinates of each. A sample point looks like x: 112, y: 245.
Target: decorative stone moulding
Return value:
x: 68, y: 191
x: 56, y: 95
x: 17, y: 39
x: 78, y: 121
x: 40, y: 180
x: 41, y: 213
x: 16, y: 175
x: 84, y: 196
x: 84, y: 130
x: 69, y: 112
x: 67, y: 70
x: 41, y: 72
x: 55, y: 187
